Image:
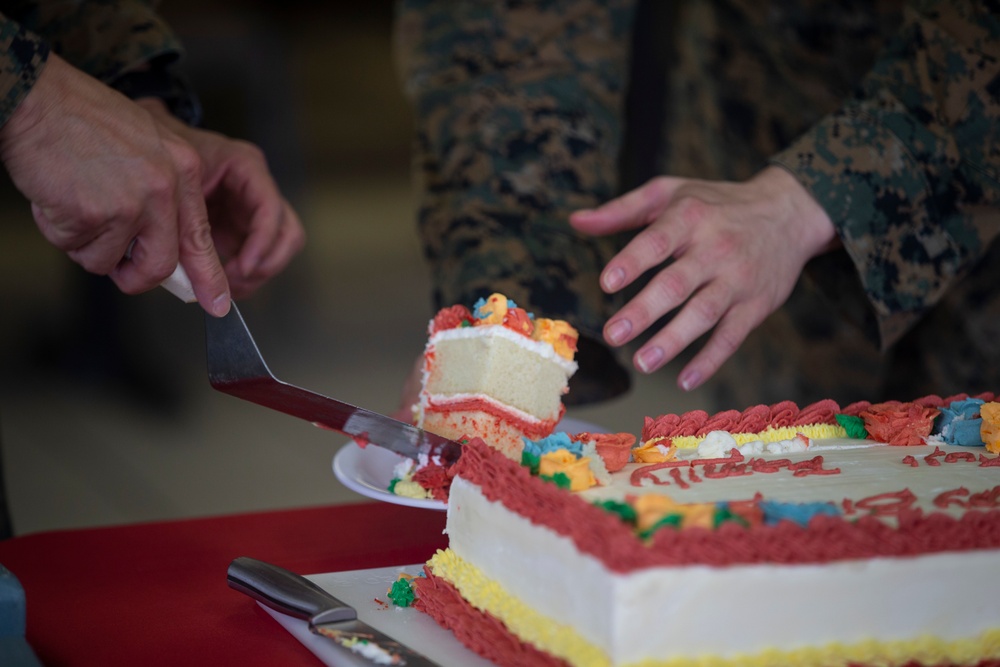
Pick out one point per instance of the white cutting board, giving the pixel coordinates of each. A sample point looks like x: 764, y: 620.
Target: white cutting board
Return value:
x: 360, y: 588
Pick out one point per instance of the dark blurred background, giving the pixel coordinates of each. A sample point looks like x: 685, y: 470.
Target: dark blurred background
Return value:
x: 106, y: 415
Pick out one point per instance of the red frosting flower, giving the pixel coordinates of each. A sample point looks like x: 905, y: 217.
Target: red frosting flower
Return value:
x: 720, y: 421
x: 820, y: 412
x: 898, y: 423
x: 754, y: 419
x: 783, y: 414
x: 517, y: 320
x: 663, y: 426
x: 451, y: 318
x: 613, y: 448
x: 855, y: 409
x: 436, y: 479
x: 690, y: 422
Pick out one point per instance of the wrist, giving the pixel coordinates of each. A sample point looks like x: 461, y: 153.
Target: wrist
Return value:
x: 159, y: 82
x: 815, y: 228
x: 38, y: 101
x: 155, y: 106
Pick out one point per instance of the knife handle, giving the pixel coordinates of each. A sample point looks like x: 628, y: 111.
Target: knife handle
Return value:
x: 179, y: 285
x: 286, y: 591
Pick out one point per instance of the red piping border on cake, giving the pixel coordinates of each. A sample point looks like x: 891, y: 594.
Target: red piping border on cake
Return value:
x: 786, y: 413
x: 481, y: 632
x: 827, y: 538
x: 487, y: 635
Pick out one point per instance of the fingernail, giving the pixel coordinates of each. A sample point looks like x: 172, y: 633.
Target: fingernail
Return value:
x: 689, y: 380
x: 618, y: 331
x: 650, y: 359
x: 614, y: 279
x: 220, y: 305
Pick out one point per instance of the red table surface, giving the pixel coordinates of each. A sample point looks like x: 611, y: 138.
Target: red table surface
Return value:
x: 156, y: 593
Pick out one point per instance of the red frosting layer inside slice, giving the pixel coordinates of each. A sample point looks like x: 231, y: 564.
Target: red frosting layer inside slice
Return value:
x: 827, y: 538
x: 535, y: 430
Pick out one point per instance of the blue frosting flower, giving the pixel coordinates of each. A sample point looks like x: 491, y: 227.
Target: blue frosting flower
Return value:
x: 960, y: 423
x: 552, y: 443
x: 775, y: 511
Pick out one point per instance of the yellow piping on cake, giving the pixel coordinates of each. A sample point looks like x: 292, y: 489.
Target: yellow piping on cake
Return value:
x: 487, y: 595
x: 564, y: 642
x: 771, y: 434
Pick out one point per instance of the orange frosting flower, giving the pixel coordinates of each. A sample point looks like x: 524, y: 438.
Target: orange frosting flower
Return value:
x: 650, y: 508
x: 990, y: 430
x: 652, y: 451
x: 559, y: 334
x: 698, y: 515
x: 495, y: 309
x: 577, y: 470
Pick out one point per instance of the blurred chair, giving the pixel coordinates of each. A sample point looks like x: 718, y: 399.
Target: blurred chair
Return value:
x: 6, y: 528
x: 14, y: 649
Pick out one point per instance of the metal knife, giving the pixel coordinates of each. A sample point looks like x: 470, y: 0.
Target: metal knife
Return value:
x: 236, y: 367
x: 329, y: 617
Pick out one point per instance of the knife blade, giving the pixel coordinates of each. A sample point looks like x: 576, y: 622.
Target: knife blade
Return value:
x: 293, y: 594
x: 236, y: 367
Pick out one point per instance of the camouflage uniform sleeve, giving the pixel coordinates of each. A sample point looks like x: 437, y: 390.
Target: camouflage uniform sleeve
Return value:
x: 518, y: 111
x: 21, y: 61
x: 908, y: 169
x: 104, y: 38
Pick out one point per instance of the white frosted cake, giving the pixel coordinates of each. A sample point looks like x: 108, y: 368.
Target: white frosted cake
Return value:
x: 833, y: 548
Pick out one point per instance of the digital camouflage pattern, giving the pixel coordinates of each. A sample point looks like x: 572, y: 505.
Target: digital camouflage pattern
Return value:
x: 24, y: 54
x: 519, y: 123
x: 523, y: 114
x: 104, y: 38
x: 908, y: 167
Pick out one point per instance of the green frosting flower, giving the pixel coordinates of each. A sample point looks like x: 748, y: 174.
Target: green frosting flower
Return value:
x: 560, y: 479
x: 401, y: 593
x: 624, y: 511
x: 855, y: 426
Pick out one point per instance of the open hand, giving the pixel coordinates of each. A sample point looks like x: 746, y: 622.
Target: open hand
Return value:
x: 737, y: 251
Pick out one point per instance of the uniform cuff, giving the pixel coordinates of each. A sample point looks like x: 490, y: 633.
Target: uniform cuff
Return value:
x: 22, y: 57
x: 878, y: 197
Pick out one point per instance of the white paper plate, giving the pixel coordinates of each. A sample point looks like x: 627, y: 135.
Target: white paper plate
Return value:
x: 368, y: 471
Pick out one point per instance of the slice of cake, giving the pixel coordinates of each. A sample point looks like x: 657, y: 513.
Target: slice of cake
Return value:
x: 495, y: 372
x: 835, y: 549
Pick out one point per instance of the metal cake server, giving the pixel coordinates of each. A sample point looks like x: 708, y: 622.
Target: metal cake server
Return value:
x: 328, y: 616
x: 236, y: 367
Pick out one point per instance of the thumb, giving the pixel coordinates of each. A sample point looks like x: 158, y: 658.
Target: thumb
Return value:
x: 195, y: 248
x: 196, y: 253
